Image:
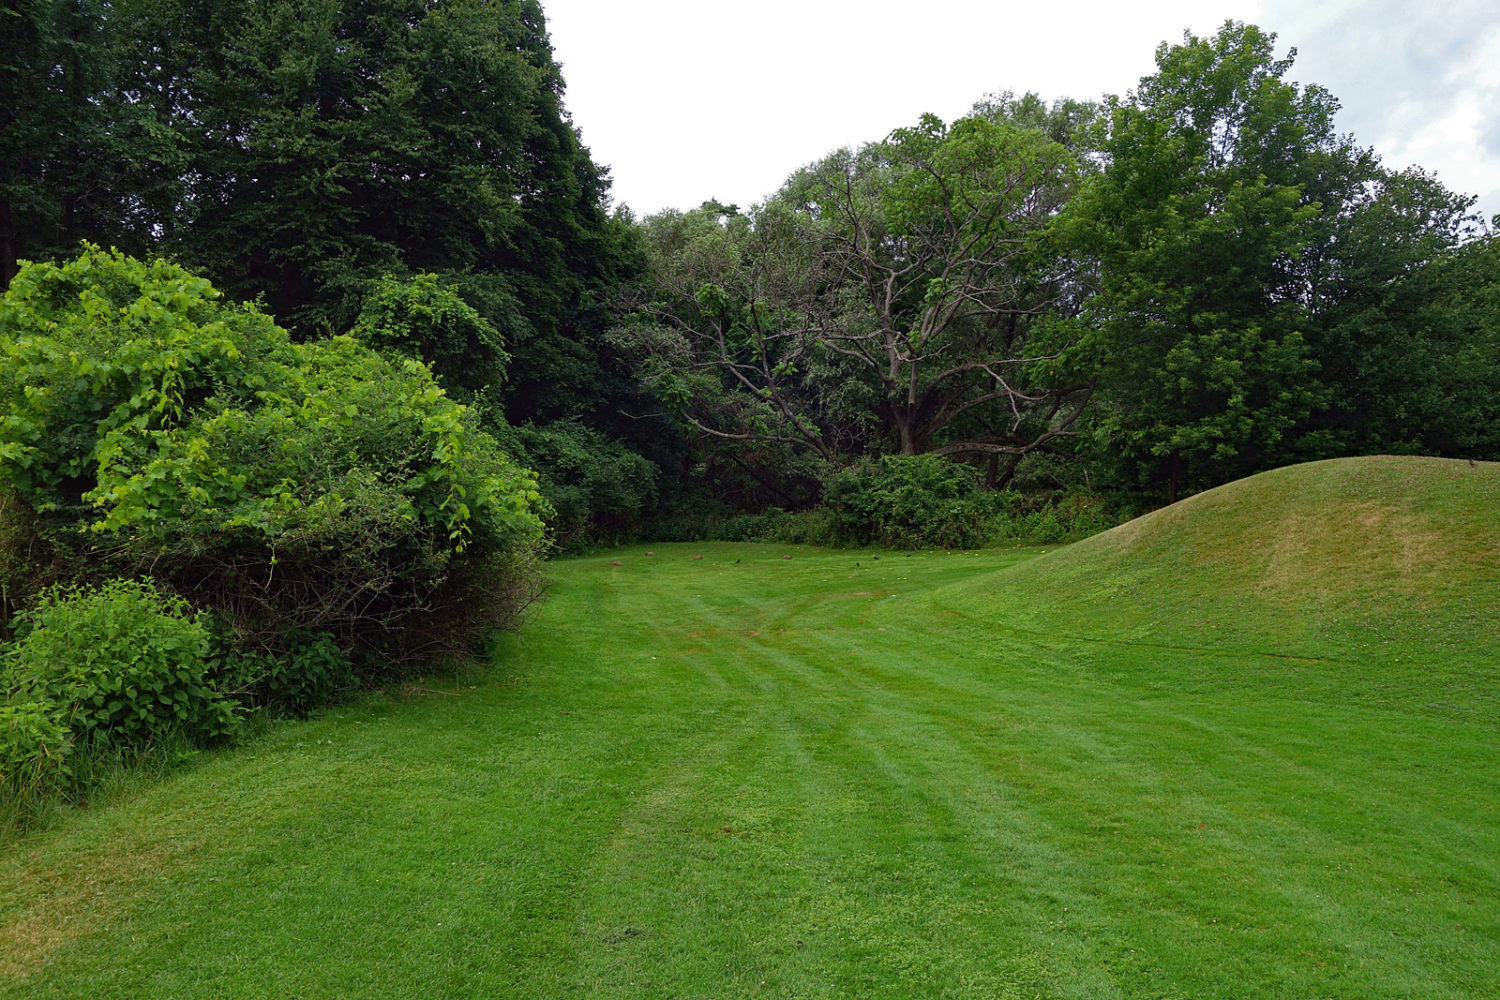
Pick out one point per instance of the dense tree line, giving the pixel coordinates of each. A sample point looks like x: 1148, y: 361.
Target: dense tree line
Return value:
x: 1149, y: 294
x: 299, y: 151
x: 1165, y: 291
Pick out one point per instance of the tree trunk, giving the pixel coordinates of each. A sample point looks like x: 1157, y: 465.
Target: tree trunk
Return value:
x: 1176, y: 466
x: 1003, y: 480
x: 906, y: 437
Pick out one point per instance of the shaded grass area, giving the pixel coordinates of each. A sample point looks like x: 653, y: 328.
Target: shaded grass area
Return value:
x: 826, y: 776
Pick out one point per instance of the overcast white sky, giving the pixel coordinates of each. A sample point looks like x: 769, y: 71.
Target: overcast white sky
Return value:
x: 691, y: 99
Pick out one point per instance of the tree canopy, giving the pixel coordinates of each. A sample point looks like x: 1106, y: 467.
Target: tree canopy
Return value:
x: 301, y: 150
x: 886, y: 298
x: 1159, y: 291
x: 1197, y: 222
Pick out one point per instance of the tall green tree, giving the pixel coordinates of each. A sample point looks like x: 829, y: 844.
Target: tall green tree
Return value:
x: 1397, y: 276
x: 333, y: 142
x: 1197, y: 222
x: 80, y: 157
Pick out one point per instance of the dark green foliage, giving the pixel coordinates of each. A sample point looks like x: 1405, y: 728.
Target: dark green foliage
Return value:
x: 369, y: 137
x: 26, y: 559
x: 80, y: 155
x: 297, y: 151
x: 599, y: 490
x: 1196, y: 221
x: 766, y: 527
x: 389, y: 137
x: 698, y: 523
x: 35, y: 745
x: 1408, y: 336
x: 907, y: 509
x: 307, y: 671
x: 1065, y: 517
x: 1460, y: 337
x: 122, y: 664
x: 314, y: 486
x: 908, y: 502
x: 815, y: 526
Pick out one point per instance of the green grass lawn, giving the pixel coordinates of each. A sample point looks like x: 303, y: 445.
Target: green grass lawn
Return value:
x: 1003, y: 774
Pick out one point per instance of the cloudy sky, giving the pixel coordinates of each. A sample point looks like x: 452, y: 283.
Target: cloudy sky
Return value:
x: 691, y: 99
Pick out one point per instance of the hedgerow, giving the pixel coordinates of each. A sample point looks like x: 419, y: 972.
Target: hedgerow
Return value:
x: 290, y: 488
x: 600, y: 490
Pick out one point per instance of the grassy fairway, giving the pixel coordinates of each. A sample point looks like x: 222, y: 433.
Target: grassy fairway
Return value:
x: 1152, y: 765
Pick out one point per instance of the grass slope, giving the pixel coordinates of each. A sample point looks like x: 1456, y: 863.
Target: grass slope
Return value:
x: 836, y: 776
x: 1351, y: 563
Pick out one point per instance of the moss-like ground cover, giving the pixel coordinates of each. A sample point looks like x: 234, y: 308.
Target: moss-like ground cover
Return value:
x: 1246, y: 747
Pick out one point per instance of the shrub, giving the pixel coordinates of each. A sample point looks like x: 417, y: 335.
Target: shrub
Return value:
x: 421, y: 317
x: 599, y: 490
x: 909, y: 501
x: 34, y: 749
x: 817, y: 526
x: 1043, y: 526
x: 693, y: 520
x: 805, y: 527
x: 745, y: 527
x: 1061, y: 517
x: 318, y: 487
x: 121, y: 664
x: 307, y: 671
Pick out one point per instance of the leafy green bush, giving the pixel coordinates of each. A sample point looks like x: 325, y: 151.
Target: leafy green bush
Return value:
x: 1043, y: 526
x: 689, y: 519
x: 307, y: 671
x: 423, y: 318
x: 744, y: 527
x: 959, y: 514
x: 1058, y: 518
x: 319, y: 487
x: 817, y: 526
x: 34, y: 749
x: 122, y: 664
x: 908, y: 502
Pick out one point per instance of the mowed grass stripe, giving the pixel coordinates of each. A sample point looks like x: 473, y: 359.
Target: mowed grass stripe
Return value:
x: 778, y: 876
x: 1090, y: 760
x: 1165, y: 783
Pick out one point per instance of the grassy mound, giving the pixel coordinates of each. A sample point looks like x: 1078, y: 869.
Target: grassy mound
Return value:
x: 1362, y: 559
